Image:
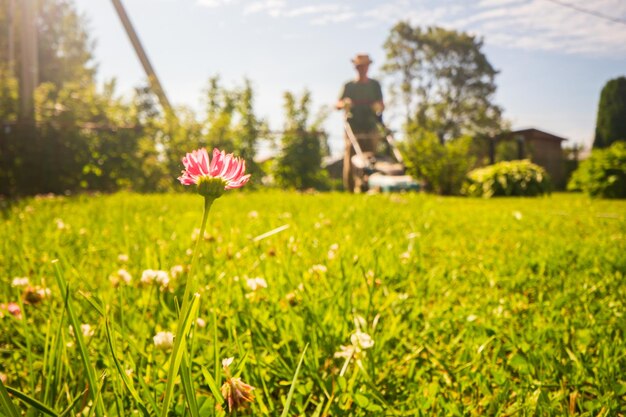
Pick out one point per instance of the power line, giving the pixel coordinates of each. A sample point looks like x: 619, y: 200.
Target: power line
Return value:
x: 588, y: 11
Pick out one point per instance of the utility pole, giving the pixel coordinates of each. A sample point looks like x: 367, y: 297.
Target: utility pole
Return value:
x: 143, y: 57
x: 29, y: 61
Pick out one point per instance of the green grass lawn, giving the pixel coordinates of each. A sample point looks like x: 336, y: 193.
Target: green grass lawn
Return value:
x: 475, y: 307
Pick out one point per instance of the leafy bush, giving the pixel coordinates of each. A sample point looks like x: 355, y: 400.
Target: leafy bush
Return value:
x: 603, y: 174
x: 303, y: 145
x: 509, y: 178
x: 442, y: 165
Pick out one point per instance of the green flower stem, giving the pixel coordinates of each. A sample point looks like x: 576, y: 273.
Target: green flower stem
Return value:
x: 191, y: 282
x: 187, y: 310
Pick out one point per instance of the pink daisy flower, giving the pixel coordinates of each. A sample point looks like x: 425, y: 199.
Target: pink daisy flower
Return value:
x: 213, y: 176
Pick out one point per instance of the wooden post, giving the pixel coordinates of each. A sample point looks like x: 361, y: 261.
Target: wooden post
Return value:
x: 520, y: 146
x: 29, y: 60
x: 143, y: 57
x: 11, y: 37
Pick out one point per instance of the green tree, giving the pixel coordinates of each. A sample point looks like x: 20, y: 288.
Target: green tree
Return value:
x: 444, y: 81
x: 443, y: 166
x: 611, y: 121
x: 303, y: 145
x: 64, y: 46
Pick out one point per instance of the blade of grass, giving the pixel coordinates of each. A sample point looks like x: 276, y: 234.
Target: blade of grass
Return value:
x: 6, y: 403
x: 212, y: 386
x: 82, y: 349
x: 73, y: 404
x: 190, y: 395
x: 293, y: 384
x: 184, y: 325
x: 26, y: 399
x: 127, y: 383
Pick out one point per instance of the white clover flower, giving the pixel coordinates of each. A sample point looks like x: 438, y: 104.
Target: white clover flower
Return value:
x: 332, y: 251
x: 122, y: 275
x: 86, y: 330
x: 227, y: 362
x: 345, y: 352
x: 176, y: 271
x: 162, y: 278
x: 361, y: 340
x: 253, y: 214
x: 319, y: 269
x: 60, y: 224
x: 20, y: 282
x: 256, y: 283
x: 122, y: 257
x: 148, y: 276
x: 200, y: 322
x: 164, y: 340
x: 517, y: 215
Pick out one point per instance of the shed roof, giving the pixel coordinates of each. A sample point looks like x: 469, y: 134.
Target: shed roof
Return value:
x: 545, y: 135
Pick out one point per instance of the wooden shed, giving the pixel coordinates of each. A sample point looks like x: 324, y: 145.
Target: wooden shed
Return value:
x: 542, y: 148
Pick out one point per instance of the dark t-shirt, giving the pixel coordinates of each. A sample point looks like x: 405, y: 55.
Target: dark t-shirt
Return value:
x: 363, y: 119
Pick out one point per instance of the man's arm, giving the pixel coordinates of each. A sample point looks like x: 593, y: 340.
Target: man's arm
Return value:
x: 344, y: 101
x: 378, y: 106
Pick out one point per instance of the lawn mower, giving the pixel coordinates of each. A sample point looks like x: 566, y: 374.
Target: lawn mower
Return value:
x: 381, y: 170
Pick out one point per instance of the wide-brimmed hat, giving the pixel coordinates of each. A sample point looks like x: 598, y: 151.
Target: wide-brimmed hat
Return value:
x: 362, y: 59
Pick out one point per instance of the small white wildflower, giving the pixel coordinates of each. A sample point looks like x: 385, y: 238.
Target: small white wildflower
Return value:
x: 20, y: 282
x: 361, y: 340
x: 256, y: 283
x: 253, y: 214
x: 86, y: 330
x: 176, y: 271
x: 60, y: 224
x: 320, y: 269
x: 148, y: 276
x: 345, y: 352
x: 164, y: 340
x: 122, y: 275
x: 332, y: 251
x: 122, y: 257
x: 129, y: 372
x: 227, y: 362
x: 162, y: 278
x: 517, y: 215
x: 200, y: 322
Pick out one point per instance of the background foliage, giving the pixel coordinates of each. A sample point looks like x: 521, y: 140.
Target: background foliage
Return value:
x: 611, y: 121
x: 88, y: 138
x: 442, y: 165
x: 509, y: 178
x: 603, y: 174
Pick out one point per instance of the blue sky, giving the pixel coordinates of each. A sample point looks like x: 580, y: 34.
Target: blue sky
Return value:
x: 553, y: 60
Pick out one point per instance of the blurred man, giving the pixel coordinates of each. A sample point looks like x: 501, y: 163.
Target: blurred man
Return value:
x: 362, y: 100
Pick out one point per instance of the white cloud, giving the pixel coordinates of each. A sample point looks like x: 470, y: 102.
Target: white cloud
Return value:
x: 213, y: 3
x: 271, y: 7
x: 525, y: 24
